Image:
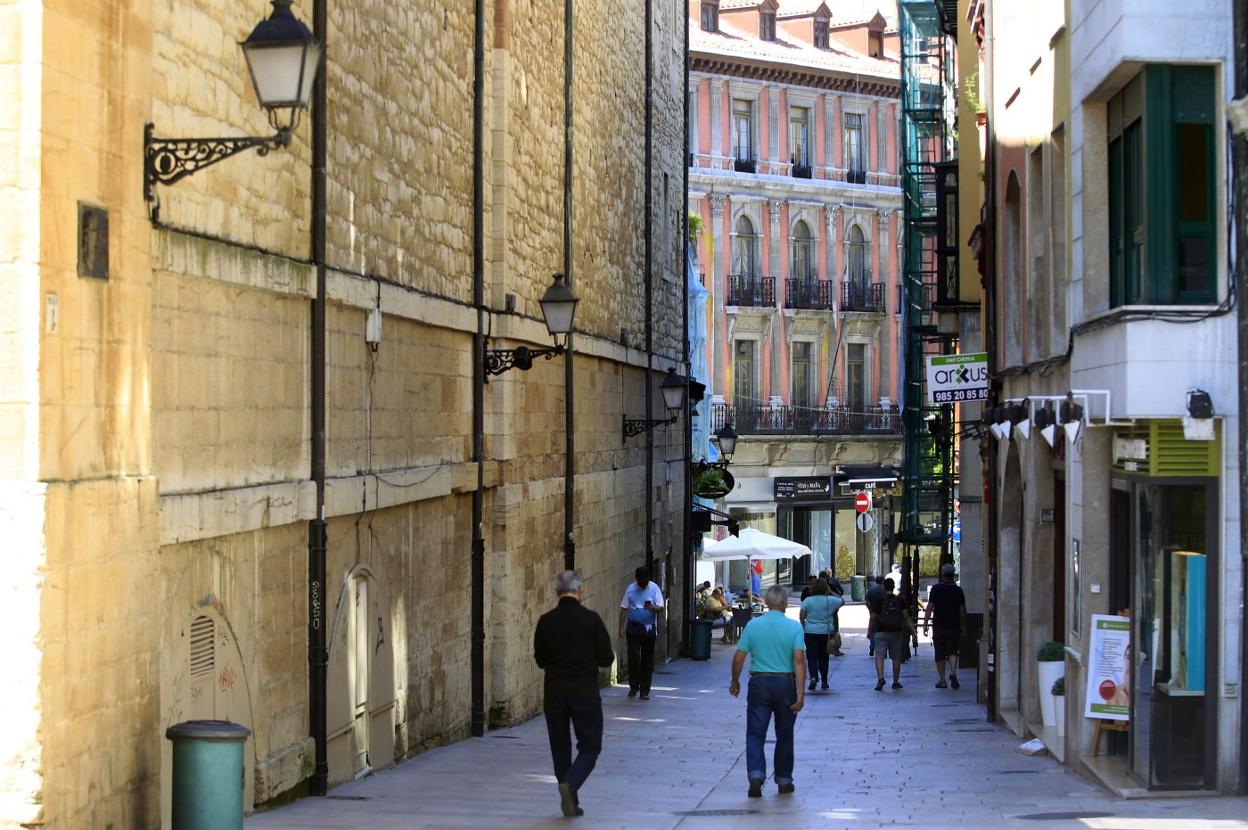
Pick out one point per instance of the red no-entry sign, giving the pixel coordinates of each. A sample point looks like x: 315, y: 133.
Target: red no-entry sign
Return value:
x: 862, y: 502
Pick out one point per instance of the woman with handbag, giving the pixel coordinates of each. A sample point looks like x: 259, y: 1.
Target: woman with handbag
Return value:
x: 816, y: 617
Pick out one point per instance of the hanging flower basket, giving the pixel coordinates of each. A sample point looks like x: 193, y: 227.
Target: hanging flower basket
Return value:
x: 713, y: 484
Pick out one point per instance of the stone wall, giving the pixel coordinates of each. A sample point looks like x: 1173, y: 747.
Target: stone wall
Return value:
x: 156, y: 444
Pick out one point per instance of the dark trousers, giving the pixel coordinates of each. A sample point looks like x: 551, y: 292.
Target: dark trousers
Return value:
x: 640, y: 662
x: 817, y: 657
x: 770, y: 697
x: 583, y: 711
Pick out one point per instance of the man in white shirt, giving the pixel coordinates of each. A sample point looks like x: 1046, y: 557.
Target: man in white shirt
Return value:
x: 639, y: 624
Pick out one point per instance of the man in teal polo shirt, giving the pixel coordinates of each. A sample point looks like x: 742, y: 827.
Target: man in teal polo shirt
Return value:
x: 777, y: 649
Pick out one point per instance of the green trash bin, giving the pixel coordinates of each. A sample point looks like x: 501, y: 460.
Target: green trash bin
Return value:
x: 207, y: 774
x: 700, y: 640
x: 858, y: 588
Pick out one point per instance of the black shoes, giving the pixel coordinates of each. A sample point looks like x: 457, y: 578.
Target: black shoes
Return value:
x: 879, y: 685
x: 942, y: 685
x: 824, y: 685
x: 785, y: 789
x: 811, y: 687
x: 756, y: 788
x: 632, y: 693
x: 645, y: 695
x: 567, y: 801
x: 953, y: 681
x: 896, y: 684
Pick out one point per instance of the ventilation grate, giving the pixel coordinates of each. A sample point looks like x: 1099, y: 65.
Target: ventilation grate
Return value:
x: 1174, y: 455
x: 203, y: 652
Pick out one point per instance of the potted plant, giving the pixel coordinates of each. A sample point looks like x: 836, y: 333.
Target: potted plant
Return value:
x: 712, y: 483
x: 1058, y: 690
x: 1050, y: 665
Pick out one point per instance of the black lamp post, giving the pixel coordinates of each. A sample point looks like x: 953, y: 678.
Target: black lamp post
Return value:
x: 558, y: 310
x: 283, y: 57
x: 674, y: 389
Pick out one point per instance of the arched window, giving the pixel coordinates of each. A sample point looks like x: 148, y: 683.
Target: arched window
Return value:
x: 745, y: 248
x: 803, y: 252
x: 859, y: 273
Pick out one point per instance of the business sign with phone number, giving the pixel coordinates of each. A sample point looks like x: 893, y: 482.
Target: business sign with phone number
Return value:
x: 957, y: 378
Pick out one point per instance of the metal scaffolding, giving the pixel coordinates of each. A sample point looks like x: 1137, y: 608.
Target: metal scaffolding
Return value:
x: 929, y: 106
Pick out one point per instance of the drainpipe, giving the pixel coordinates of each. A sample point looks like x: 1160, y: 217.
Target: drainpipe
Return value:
x: 477, y: 601
x: 318, y: 651
x: 1239, y: 179
x: 990, y: 343
x: 649, y: 208
x: 687, y: 498
x: 569, y: 390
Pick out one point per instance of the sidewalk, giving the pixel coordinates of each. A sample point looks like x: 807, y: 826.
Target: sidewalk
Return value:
x: 920, y: 757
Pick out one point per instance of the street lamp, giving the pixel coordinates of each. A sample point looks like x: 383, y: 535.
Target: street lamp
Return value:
x: 558, y: 310
x: 283, y: 58
x: 726, y: 440
x: 674, y: 389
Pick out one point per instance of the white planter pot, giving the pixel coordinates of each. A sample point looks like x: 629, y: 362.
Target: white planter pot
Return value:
x: 1059, y: 710
x: 1048, y: 673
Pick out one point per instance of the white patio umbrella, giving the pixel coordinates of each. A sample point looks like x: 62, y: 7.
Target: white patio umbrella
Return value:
x: 754, y: 544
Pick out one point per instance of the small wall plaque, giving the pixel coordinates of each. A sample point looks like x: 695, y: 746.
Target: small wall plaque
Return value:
x: 1046, y: 515
x: 92, y: 241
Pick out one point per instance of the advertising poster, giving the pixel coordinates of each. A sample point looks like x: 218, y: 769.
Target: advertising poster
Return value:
x: 1109, y: 669
x: 957, y: 378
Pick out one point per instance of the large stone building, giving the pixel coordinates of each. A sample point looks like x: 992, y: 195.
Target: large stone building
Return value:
x: 159, y: 449
x: 1108, y: 309
x: 794, y: 177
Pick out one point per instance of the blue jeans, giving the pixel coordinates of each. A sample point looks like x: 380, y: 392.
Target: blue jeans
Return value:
x: 770, y: 695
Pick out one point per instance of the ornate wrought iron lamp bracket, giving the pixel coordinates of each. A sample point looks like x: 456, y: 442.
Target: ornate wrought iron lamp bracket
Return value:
x: 636, y: 426
x: 167, y: 160
x: 498, y: 361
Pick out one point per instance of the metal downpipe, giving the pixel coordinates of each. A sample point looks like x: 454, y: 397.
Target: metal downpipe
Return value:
x: 649, y: 285
x: 569, y: 390
x: 477, y: 569
x: 318, y: 651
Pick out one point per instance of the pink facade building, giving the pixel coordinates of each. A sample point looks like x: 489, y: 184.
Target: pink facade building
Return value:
x: 794, y: 173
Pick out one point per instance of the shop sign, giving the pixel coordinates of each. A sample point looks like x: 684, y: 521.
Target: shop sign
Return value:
x: 811, y: 488
x: 1109, y: 670
x: 957, y: 378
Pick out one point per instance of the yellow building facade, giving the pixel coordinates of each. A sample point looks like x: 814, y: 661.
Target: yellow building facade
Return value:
x: 155, y: 428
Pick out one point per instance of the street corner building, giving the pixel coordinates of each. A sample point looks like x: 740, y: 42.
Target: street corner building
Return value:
x: 795, y: 190
x: 1097, y: 206
x: 252, y: 466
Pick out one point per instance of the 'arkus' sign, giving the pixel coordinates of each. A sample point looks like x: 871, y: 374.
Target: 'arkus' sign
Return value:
x: 954, y: 378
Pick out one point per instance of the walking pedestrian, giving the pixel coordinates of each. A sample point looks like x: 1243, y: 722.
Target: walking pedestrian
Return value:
x: 891, y: 623
x: 874, y: 593
x: 946, y: 614
x: 776, y: 647
x: 835, y: 589
x: 639, y: 625
x: 570, y: 644
x: 818, y: 621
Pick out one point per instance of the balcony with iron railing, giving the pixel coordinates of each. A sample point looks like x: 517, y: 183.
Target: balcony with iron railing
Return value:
x: 786, y: 419
x: 751, y: 290
x: 862, y: 296
x: 809, y: 292
x: 745, y: 165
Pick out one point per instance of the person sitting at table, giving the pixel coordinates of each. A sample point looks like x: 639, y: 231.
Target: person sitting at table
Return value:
x: 717, y: 609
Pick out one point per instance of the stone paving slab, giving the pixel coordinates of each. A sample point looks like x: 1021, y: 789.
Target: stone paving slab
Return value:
x: 919, y: 757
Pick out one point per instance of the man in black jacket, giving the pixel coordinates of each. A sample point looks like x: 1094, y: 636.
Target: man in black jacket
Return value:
x: 571, y: 643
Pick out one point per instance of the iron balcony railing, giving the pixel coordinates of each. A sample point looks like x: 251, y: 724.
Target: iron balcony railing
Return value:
x: 784, y: 419
x: 745, y: 165
x: 808, y: 292
x: 751, y: 290
x: 856, y: 296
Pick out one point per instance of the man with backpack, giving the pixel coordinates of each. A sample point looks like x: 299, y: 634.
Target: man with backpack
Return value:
x: 892, y: 627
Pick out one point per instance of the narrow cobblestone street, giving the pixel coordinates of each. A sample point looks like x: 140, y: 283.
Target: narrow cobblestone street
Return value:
x: 920, y: 757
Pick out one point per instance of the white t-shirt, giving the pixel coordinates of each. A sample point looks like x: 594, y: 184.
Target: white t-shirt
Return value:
x: 634, y: 601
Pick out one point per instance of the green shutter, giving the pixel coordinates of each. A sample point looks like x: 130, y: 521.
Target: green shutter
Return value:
x: 1170, y: 454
